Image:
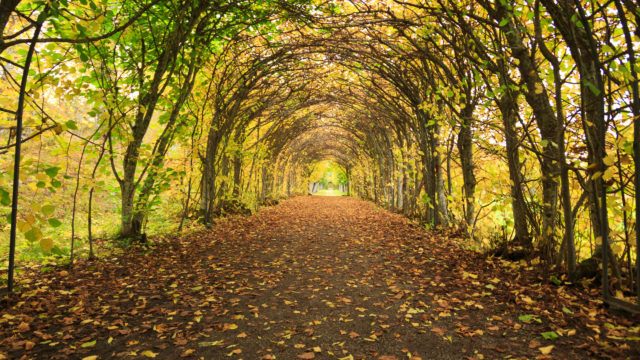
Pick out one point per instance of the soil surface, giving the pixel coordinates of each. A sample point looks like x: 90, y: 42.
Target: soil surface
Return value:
x: 311, y: 278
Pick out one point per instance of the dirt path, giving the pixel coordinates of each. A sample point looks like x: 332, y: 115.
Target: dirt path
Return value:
x: 314, y: 277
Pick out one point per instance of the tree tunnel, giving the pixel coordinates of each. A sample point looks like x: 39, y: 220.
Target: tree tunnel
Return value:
x: 510, y: 122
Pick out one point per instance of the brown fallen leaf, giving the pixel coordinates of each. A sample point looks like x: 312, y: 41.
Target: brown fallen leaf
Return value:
x: 23, y: 327
x: 307, y: 356
x: 534, y: 344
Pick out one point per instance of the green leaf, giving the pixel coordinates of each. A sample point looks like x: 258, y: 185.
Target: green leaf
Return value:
x: 54, y: 222
x: 33, y: 235
x: 549, y: 335
x: 48, y: 209
x: 504, y: 22
x: 4, y: 197
x: 52, y: 171
x: 71, y: 125
x: 525, y: 318
x: 58, y: 251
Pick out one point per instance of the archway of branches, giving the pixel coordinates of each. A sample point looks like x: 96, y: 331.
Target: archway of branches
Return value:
x: 509, y: 121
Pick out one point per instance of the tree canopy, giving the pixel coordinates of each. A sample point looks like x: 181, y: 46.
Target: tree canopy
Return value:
x: 513, y: 122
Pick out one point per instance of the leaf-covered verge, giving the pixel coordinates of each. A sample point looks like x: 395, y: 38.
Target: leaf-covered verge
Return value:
x: 311, y: 278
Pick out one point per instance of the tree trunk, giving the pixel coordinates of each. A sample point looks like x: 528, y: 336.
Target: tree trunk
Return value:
x: 237, y: 173
x: 566, y: 16
x: 537, y: 97
x: 465, y: 149
x: 208, y: 182
x: 509, y: 108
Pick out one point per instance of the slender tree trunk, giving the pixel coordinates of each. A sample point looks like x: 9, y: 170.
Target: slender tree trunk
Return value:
x: 237, y: 174
x: 537, y: 97
x: 208, y: 182
x: 509, y: 108
x: 635, y: 108
x: 465, y: 149
x: 16, y: 160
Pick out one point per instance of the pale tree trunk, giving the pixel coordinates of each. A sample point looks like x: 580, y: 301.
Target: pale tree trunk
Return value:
x: 442, y: 206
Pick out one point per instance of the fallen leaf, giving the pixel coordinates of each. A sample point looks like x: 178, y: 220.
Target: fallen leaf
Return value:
x: 188, y: 352
x: 229, y: 327
x: 23, y: 327
x: 149, y: 354
x: 88, y: 344
x: 546, y: 350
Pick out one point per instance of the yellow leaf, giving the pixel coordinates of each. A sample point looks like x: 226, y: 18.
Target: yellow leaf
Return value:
x: 229, y: 327
x: 23, y: 226
x: 527, y: 300
x: 149, y: 354
x: 538, y: 88
x: 609, y: 173
x: 90, y: 357
x: 609, y: 159
x: 546, y: 350
x: 46, y: 244
x: 469, y: 275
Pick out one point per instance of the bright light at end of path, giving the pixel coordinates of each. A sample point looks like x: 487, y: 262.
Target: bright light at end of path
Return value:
x: 330, y: 192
